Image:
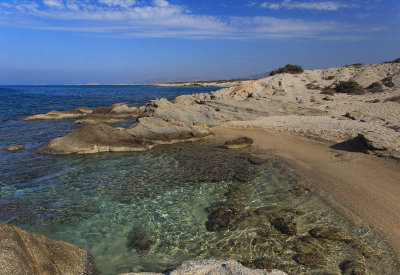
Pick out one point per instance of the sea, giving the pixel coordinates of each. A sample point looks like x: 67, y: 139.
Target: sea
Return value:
x: 150, y: 211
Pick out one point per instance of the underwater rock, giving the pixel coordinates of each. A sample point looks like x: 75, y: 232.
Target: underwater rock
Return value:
x: 310, y: 259
x: 14, y: 148
x: 353, y: 268
x: 245, y: 175
x: 22, y: 252
x: 309, y: 245
x: 139, y: 240
x: 257, y: 160
x: 362, y: 247
x: 285, y: 226
x: 239, y: 193
x: 330, y: 233
x: 241, y: 142
x: 222, y: 216
x: 94, y: 139
x: 209, y: 165
x: 266, y: 263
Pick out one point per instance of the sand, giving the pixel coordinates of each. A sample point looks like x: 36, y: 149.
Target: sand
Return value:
x: 363, y: 187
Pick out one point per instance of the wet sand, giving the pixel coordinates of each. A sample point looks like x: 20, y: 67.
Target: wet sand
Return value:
x: 363, y: 187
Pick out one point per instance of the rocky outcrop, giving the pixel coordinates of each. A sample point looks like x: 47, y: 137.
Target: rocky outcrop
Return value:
x: 14, y: 148
x: 160, y: 131
x: 53, y: 115
x: 213, y: 267
x: 283, y: 102
x: 95, y: 139
x: 22, y: 252
x: 103, y: 114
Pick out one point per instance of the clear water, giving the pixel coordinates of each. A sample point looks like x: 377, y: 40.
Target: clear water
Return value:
x: 96, y: 201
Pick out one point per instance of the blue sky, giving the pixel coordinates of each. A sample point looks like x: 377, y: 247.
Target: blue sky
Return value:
x: 123, y: 41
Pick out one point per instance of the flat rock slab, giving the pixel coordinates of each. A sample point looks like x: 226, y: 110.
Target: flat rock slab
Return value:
x: 213, y: 267
x: 95, y: 139
x: 14, y: 148
x: 22, y: 252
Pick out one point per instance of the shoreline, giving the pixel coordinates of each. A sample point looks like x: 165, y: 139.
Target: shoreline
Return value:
x: 363, y: 187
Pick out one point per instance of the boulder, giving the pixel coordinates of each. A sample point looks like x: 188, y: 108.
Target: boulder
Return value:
x: 14, y: 148
x: 213, y: 267
x: 375, y: 141
x: 22, y: 252
x: 96, y: 138
x: 241, y: 142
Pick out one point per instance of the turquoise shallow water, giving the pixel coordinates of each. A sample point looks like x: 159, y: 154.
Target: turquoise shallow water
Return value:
x: 147, y: 211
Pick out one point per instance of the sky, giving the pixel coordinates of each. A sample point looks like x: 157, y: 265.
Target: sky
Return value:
x: 124, y: 41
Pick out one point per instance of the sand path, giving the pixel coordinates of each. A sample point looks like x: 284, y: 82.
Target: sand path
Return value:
x: 364, y: 187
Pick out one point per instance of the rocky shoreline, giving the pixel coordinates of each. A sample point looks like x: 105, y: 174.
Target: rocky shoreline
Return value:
x: 309, y: 104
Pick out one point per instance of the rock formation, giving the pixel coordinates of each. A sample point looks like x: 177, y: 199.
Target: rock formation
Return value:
x: 96, y: 139
x: 308, y: 104
x: 22, y: 252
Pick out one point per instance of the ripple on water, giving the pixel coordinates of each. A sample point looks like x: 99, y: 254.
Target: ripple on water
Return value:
x: 150, y: 211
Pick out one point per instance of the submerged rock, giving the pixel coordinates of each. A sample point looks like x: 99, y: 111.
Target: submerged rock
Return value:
x: 330, y: 233
x: 94, y: 139
x: 14, y: 148
x: 353, y: 268
x: 238, y: 143
x: 223, y: 215
x: 214, y: 267
x: 309, y: 245
x: 22, y: 252
x: 139, y: 240
x: 285, y: 226
x: 245, y: 175
x: 311, y: 259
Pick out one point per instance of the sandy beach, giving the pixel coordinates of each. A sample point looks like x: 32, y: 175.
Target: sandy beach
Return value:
x: 362, y: 186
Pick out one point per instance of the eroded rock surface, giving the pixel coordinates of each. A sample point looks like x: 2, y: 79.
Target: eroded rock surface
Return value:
x: 22, y: 252
x: 95, y: 139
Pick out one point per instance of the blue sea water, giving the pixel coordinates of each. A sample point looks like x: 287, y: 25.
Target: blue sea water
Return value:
x: 97, y: 201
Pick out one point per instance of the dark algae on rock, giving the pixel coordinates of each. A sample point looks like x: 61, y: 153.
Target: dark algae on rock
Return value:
x: 138, y: 239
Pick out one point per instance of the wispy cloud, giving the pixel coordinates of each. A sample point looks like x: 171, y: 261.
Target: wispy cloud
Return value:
x: 306, y: 5
x: 159, y: 18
